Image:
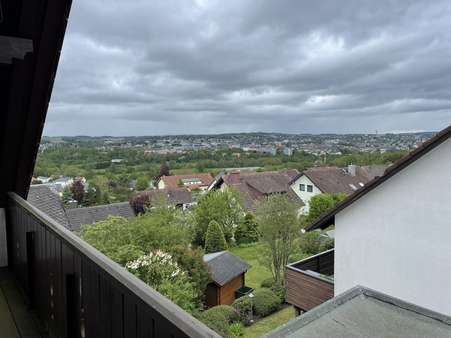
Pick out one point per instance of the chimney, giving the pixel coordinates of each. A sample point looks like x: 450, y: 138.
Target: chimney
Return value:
x: 352, y: 169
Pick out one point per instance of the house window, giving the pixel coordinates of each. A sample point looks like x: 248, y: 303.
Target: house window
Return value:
x: 302, y: 187
x: 309, y: 188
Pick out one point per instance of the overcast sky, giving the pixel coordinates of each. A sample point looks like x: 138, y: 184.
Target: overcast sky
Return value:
x: 149, y: 67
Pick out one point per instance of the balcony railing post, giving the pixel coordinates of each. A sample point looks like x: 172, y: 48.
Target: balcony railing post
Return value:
x: 31, y: 261
x: 72, y: 322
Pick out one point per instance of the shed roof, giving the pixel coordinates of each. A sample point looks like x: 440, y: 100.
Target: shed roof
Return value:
x: 329, y: 218
x: 224, y: 266
x: 361, y: 312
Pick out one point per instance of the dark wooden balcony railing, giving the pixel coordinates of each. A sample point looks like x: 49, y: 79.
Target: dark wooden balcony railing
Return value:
x: 78, y: 292
x: 309, y: 282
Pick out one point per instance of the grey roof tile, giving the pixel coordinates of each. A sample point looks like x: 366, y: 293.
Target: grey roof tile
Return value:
x: 82, y: 216
x: 45, y: 198
x: 224, y: 266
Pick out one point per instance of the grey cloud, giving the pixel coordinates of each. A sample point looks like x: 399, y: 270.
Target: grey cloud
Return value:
x: 205, y: 66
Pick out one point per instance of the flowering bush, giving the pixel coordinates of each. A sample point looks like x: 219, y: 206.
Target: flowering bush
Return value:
x: 160, y: 270
x: 155, y: 267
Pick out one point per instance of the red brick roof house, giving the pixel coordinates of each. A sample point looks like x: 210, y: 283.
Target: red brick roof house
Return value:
x: 254, y: 186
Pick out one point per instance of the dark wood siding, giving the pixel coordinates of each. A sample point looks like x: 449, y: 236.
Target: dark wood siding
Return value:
x: 212, y: 296
x: 78, y: 292
x: 305, y: 289
x: 227, y: 292
x: 306, y: 292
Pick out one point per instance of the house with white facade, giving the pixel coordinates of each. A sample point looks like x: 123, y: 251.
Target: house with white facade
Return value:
x: 332, y: 180
x: 195, y: 181
x: 394, y: 235
x: 389, y: 273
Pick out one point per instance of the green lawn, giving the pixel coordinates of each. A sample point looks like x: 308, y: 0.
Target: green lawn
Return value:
x: 269, y: 323
x: 257, y: 273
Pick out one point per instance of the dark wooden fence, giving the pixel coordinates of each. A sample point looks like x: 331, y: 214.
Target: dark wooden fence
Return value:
x: 80, y: 293
x: 306, y: 288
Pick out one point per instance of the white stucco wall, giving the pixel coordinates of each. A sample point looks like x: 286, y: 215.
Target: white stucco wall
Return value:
x: 397, y: 238
x: 304, y: 195
x: 161, y: 184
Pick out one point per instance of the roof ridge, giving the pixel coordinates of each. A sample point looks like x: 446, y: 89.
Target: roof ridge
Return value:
x: 328, y: 218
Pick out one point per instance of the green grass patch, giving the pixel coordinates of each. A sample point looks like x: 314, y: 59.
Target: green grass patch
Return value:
x: 269, y: 323
x: 251, y: 253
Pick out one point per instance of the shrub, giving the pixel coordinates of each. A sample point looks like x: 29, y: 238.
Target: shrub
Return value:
x: 313, y: 242
x: 265, y: 302
x: 310, y: 242
x: 326, y: 244
x: 219, y: 318
x: 236, y: 330
x: 267, y: 283
x: 159, y: 270
x: 280, y: 291
x: 243, y: 306
x: 219, y: 325
x: 247, y: 230
x: 226, y: 311
x: 191, y: 261
x: 214, y: 239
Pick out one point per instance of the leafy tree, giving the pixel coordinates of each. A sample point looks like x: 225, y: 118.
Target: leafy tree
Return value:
x: 142, y: 201
x: 93, y: 196
x: 321, y: 203
x: 191, y: 260
x: 314, y: 242
x: 247, y: 230
x: 67, y: 196
x: 78, y: 190
x: 224, y: 207
x: 161, y: 228
x: 164, y: 171
x: 142, y: 183
x: 279, y: 227
x: 214, y: 239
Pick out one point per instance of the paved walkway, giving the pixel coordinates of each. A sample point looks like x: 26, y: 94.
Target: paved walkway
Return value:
x: 16, y: 321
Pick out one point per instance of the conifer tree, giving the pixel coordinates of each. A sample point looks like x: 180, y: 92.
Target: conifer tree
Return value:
x: 214, y: 239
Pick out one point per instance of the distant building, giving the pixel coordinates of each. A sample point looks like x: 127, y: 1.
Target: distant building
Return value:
x: 227, y: 273
x: 62, y: 183
x: 288, y: 151
x: 43, y: 179
x: 191, y: 181
x: 117, y: 160
x: 332, y: 180
x: 178, y: 197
